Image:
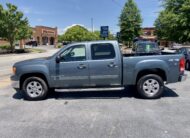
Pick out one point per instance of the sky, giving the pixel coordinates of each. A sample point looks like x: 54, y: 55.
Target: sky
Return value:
x: 65, y: 13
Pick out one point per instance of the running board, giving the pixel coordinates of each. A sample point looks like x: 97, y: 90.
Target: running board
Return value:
x: 90, y: 89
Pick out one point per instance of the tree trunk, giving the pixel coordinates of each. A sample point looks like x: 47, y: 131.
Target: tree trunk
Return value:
x: 12, y: 46
x: 129, y: 44
x: 21, y: 44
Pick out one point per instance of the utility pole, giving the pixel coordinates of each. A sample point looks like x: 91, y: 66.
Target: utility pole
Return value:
x: 92, y: 24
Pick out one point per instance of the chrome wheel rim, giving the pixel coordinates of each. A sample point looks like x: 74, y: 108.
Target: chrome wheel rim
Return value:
x: 151, y: 87
x: 34, y: 89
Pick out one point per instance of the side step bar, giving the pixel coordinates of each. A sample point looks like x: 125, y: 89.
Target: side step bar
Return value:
x: 90, y: 89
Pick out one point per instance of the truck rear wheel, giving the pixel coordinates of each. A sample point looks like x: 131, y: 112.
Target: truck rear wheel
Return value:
x: 34, y: 89
x: 150, y: 86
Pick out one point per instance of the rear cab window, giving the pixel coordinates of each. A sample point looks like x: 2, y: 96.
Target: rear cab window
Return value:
x: 102, y: 51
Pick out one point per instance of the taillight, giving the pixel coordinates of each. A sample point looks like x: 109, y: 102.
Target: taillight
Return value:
x: 182, y: 65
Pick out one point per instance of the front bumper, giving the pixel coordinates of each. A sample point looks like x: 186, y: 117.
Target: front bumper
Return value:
x: 15, y: 83
x: 182, y: 77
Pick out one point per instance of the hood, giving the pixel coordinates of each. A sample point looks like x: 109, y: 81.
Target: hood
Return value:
x: 32, y: 61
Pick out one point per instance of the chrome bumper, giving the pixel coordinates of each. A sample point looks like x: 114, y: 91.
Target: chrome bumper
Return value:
x: 15, y: 84
x: 183, y: 77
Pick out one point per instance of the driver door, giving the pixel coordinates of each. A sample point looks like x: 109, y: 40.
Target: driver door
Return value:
x: 73, y: 69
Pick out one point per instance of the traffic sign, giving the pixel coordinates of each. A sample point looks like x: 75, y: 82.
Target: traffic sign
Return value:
x: 104, y: 31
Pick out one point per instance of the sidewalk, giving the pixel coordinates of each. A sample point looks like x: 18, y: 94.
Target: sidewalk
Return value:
x: 8, y: 60
x: 43, y: 47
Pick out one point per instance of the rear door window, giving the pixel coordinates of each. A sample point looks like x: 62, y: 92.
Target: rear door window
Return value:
x: 102, y: 51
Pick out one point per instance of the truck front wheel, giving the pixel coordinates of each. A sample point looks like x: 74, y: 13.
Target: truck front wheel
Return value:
x: 150, y: 86
x: 34, y: 88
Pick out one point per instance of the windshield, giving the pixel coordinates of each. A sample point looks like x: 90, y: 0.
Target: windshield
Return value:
x: 147, y: 47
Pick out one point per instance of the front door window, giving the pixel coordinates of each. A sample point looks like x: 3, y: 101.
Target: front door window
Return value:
x: 75, y: 53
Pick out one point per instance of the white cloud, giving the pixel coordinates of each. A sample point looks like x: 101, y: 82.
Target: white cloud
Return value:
x: 66, y: 28
x: 63, y: 30
x: 60, y: 31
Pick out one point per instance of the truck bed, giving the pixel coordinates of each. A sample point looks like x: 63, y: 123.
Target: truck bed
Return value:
x: 167, y: 62
x: 147, y: 54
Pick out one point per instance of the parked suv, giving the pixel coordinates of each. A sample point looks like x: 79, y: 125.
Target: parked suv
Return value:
x: 146, y: 47
x: 186, y: 52
x: 32, y: 43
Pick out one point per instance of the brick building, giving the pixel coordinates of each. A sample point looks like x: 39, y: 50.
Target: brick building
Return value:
x: 42, y: 34
x: 45, y: 35
x: 3, y: 41
x: 149, y: 33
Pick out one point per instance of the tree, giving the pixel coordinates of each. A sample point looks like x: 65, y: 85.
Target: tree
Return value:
x: 60, y: 38
x: 96, y: 36
x: 111, y: 37
x: 80, y: 33
x: 173, y: 23
x: 13, y: 25
x: 76, y: 33
x: 130, y: 22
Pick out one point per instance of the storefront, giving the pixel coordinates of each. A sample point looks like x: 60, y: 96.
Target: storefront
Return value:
x: 45, y: 35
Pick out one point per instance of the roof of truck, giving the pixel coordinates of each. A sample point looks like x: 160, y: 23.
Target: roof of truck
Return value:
x: 98, y: 41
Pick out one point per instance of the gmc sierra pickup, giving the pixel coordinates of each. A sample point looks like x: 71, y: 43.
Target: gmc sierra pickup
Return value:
x: 97, y: 66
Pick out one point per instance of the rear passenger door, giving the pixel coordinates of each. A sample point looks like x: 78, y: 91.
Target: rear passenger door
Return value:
x: 105, y: 65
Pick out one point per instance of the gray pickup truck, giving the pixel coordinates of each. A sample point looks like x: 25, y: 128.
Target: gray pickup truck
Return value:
x: 97, y: 66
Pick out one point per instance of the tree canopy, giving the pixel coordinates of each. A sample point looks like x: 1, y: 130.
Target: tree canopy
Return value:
x: 130, y: 22
x: 173, y: 22
x: 79, y: 33
x: 76, y: 33
x: 13, y: 25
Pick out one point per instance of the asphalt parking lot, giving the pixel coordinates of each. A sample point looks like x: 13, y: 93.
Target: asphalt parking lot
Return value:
x: 97, y: 114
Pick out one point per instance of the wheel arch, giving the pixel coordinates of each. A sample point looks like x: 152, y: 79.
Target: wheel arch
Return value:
x: 27, y: 75
x: 156, y: 71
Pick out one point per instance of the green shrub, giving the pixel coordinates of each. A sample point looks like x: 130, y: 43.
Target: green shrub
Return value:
x: 5, y: 47
x: 59, y: 46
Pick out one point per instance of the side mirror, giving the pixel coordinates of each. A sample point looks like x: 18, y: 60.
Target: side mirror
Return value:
x: 162, y: 48
x: 58, y: 58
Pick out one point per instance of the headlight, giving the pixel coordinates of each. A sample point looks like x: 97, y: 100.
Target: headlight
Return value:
x: 14, y: 70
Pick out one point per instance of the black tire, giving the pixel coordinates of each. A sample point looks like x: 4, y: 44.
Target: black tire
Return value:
x: 154, y: 91
x: 43, y: 89
x: 187, y: 65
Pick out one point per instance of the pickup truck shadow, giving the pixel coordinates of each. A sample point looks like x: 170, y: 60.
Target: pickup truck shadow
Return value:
x: 129, y: 92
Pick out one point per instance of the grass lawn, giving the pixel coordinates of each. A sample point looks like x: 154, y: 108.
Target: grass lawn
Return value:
x: 33, y: 50
x: 6, y: 50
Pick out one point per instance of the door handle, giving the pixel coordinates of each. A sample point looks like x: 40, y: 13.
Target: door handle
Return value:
x: 81, y: 66
x: 112, y: 65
